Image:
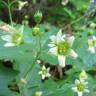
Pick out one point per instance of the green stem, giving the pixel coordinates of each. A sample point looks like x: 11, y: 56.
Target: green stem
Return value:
x: 10, y: 14
x: 21, y: 87
x: 8, y: 5
x: 37, y: 55
x: 31, y: 67
x: 3, y: 2
x: 77, y: 20
x: 13, y: 2
x: 39, y: 38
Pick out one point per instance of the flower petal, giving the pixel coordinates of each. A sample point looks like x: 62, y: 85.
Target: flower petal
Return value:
x: 74, y: 89
x: 70, y: 40
x: 53, y: 38
x: 9, y: 45
x: 73, y: 54
x: 51, y: 45
x: 48, y: 69
x: 77, y: 81
x: 86, y: 90
x: 40, y: 72
x: 21, y: 4
x: 94, y: 38
x: 43, y: 77
x: 43, y: 68
x: 61, y: 60
x: 80, y: 94
x: 91, y: 49
x: 59, y: 37
x: 6, y: 38
x: 53, y: 50
x: 48, y: 75
x: 59, y: 34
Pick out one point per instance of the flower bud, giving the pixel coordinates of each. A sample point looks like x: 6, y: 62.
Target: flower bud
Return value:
x: 35, y: 31
x: 38, y: 17
x: 90, y: 33
x: 83, y: 75
x: 25, y: 21
x: 47, y: 28
x: 26, y: 17
x: 92, y: 25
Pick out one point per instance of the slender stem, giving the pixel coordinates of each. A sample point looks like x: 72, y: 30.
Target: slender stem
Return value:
x: 37, y: 55
x: 39, y: 40
x: 8, y: 5
x: 13, y: 2
x: 31, y: 67
x: 4, y: 3
x: 26, y: 73
x: 10, y: 14
x: 77, y: 20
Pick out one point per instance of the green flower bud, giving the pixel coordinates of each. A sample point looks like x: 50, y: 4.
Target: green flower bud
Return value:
x: 47, y: 28
x: 83, y: 75
x: 38, y: 17
x: 25, y: 21
x: 26, y: 17
x: 35, y: 31
x: 90, y: 33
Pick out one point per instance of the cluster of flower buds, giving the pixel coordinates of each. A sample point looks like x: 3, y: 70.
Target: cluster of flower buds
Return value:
x: 37, y: 18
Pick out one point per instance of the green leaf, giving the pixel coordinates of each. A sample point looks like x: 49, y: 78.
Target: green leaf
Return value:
x: 6, y: 76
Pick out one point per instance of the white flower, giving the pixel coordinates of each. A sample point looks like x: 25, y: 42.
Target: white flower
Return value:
x: 60, y: 46
x: 45, y: 72
x: 38, y: 93
x: 80, y: 87
x: 14, y: 38
x: 22, y: 4
x: 92, y: 44
x: 64, y: 2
